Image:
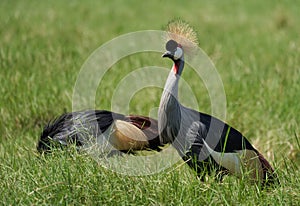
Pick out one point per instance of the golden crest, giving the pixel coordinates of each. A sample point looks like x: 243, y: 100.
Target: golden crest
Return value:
x: 181, y: 32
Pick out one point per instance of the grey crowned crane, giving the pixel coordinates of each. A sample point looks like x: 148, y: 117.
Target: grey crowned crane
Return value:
x: 203, y: 141
x: 90, y: 127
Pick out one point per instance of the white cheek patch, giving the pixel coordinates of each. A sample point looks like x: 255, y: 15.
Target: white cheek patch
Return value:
x: 178, y: 53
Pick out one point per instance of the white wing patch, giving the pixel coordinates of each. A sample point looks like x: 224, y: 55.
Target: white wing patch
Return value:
x: 125, y: 136
x: 239, y: 162
x: 230, y: 161
x: 121, y: 135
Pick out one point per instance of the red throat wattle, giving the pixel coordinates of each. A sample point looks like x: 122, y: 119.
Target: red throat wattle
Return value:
x: 175, y: 68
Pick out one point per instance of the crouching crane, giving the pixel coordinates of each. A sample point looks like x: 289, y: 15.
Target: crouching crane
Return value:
x: 202, y: 140
x: 111, y: 131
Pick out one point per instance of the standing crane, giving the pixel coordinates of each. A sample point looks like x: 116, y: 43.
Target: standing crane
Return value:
x: 110, y: 131
x: 203, y: 141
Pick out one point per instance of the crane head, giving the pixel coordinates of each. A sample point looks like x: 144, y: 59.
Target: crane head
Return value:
x: 174, y: 50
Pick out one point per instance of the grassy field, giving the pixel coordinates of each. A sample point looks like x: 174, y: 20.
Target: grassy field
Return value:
x: 255, y: 46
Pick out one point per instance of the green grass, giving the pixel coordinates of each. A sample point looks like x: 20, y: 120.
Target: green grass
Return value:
x: 256, y: 49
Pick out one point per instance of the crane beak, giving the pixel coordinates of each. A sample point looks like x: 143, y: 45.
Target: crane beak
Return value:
x: 167, y: 54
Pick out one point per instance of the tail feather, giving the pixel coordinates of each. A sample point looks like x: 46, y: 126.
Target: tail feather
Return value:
x: 270, y: 175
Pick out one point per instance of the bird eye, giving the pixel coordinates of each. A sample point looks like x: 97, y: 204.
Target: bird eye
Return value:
x: 171, y: 45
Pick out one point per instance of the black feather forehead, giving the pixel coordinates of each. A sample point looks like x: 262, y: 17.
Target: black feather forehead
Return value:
x: 171, y: 45
x: 181, y: 33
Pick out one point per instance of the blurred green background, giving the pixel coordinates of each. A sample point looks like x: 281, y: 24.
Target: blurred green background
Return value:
x: 253, y: 44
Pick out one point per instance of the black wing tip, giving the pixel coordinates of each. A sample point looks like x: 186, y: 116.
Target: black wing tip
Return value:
x: 46, y: 142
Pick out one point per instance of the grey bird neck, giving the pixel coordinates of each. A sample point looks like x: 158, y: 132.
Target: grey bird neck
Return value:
x: 169, y: 115
x: 177, y: 124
